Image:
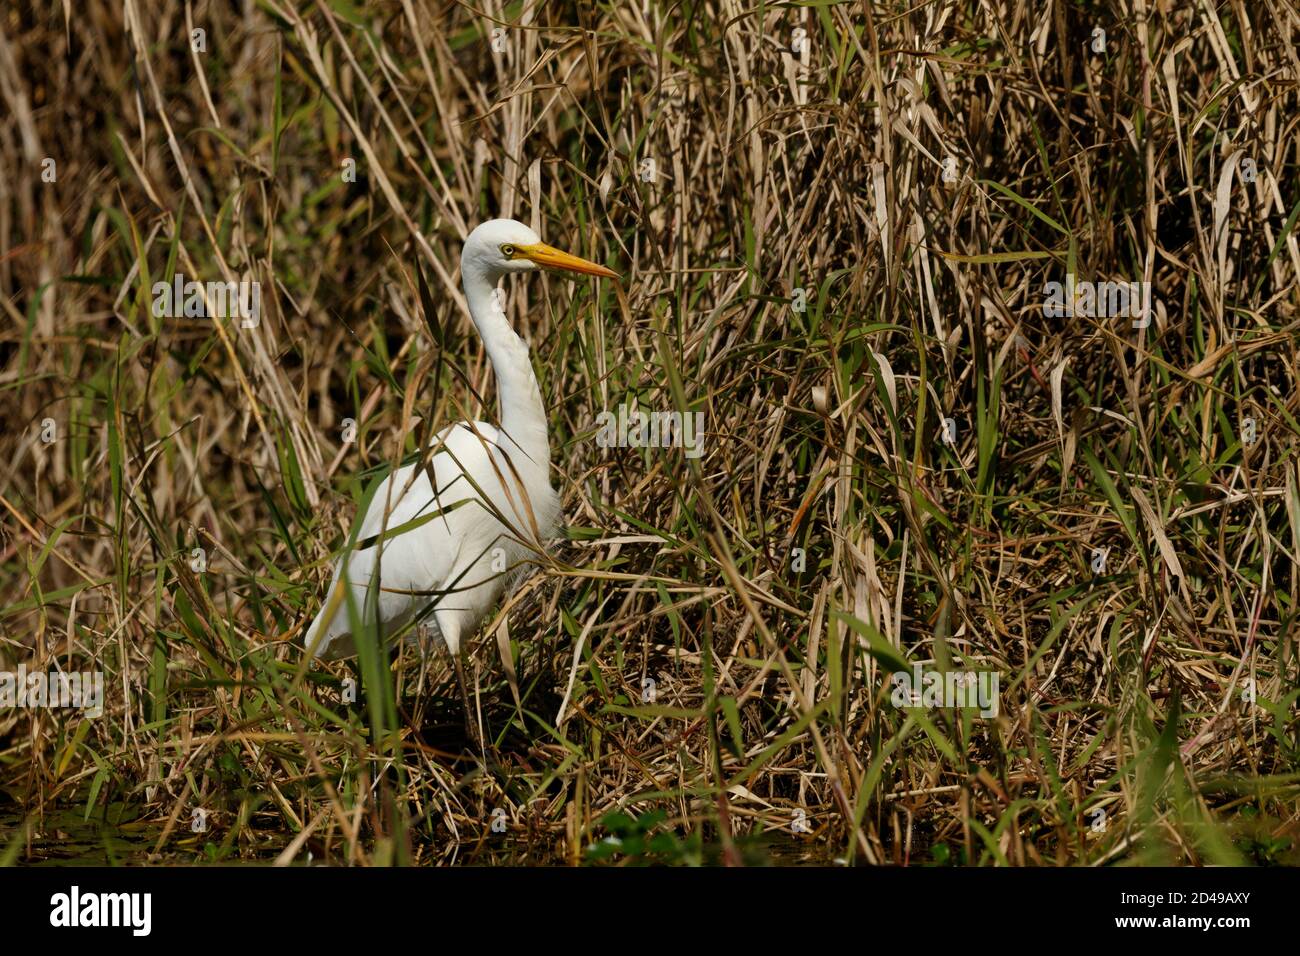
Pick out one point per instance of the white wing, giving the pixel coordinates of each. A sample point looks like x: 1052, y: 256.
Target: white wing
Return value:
x: 462, y: 549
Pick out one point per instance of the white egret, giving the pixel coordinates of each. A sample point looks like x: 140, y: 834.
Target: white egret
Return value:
x: 436, y: 552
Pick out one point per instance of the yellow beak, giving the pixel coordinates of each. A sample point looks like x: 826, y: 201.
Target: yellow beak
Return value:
x: 549, y: 257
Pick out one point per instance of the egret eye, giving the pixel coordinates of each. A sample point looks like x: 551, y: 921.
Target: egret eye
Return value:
x: 507, y: 250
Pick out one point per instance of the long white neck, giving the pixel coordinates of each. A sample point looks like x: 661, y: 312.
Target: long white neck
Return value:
x: 523, y: 416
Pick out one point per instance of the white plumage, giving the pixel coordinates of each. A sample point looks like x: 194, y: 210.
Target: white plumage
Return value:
x: 494, y: 505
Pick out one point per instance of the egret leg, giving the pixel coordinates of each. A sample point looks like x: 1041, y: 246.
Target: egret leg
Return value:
x: 471, y: 725
x: 449, y: 628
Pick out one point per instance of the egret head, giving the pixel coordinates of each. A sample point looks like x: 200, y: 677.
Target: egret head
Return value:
x: 499, y: 246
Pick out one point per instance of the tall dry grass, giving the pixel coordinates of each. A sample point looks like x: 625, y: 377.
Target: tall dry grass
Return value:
x: 706, y: 660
